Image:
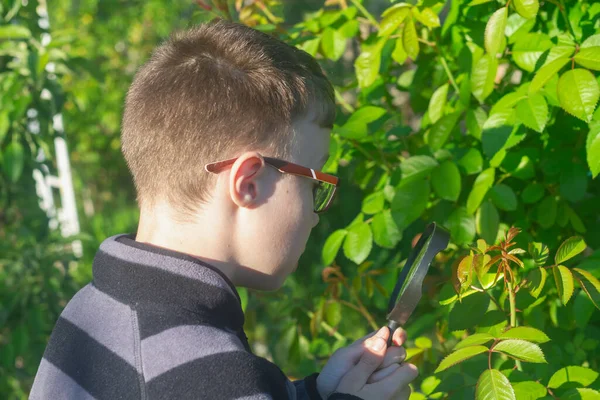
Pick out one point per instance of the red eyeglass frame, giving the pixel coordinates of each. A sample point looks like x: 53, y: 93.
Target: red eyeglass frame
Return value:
x: 285, y: 167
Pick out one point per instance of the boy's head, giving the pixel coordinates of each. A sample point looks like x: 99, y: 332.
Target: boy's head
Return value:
x: 215, y: 92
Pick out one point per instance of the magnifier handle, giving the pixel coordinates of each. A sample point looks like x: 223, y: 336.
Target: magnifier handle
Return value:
x: 392, y: 326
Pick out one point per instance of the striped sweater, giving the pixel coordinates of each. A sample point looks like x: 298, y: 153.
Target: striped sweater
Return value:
x: 158, y: 324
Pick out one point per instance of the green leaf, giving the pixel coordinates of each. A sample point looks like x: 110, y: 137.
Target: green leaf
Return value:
x: 589, y: 53
x: 437, y: 103
x: 243, y: 292
x: 14, y: 32
x: 569, y: 249
x: 311, y: 46
x: 460, y: 356
x: 590, y: 284
x: 533, y: 112
x: 462, y: 226
x: 592, y: 149
x: 13, y: 161
x: 472, y: 161
x: 493, y: 385
x: 537, y: 280
x: 564, y: 282
x: 494, y: 31
x: 427, y: 17
x: 409, y: 202
x: 446, y: 182
x: 581, y: 375
x: 440, y: 131
x: 373, y: 203
x: 503, y: 197
x: 399, y: 54
x: 475, y: 121
x: 410, y: 39
x: 333, y: 44
x: 416, y: 168
x: 527, y: 8
x: 482, y: 77
x: 545, y: 73
x: 529, y: 390
x: 385, y: 231
x: 482, y: 184
x: 392, y: 18
x: 526, y: 333
x: 546, y: 212
x: 580, y: 394
x: 473, y: 340
x: 487, y: 222
x: 367, y: 64
x: 521, y: 350
x: 358, y: 243
x: 532, y: 193
x: 578, y: 93
x: 333, y: 313
x: 539, y: 252
x: 529, y: 48
x: 332, y: 246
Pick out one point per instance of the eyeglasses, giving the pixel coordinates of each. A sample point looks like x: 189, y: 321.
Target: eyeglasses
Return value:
x: 325, y: 184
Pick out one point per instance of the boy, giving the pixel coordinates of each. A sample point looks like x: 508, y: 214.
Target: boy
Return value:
x: 162, y: 317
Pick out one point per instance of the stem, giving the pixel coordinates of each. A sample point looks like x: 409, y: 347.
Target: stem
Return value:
x: 513, y: 314
x: 327, y: 327
x: 343, y: 102
x: 361, y: 307
x: 364, y: 12
x: 449, y: 73
x: 561, y: 7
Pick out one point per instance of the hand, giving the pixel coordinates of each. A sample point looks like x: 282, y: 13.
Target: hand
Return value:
x: 346, y: 358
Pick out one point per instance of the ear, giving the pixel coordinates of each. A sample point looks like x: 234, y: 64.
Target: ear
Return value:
x: 244, y: 185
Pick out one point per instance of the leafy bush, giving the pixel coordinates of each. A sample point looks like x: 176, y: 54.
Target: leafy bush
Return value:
x: 478, y: 115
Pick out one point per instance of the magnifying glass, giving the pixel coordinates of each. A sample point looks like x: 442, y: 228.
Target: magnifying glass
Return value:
x: 408, y: 289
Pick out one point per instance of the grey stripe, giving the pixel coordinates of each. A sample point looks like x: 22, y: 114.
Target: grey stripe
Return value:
x: 176, y: 346
x: 51, y: 383
x: 106, y: 320
x: 178, y: 266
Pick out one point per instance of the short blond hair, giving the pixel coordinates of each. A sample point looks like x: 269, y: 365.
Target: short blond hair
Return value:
x: 207, y: 93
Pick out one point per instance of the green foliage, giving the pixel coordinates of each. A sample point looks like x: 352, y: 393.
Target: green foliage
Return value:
x: 477, y: 115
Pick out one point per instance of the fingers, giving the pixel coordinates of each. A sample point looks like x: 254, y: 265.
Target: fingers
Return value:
x: 396, y: 382
x: 404, y: 393
x: 383, y: 373
x: 399, y: 337
x: 393, y: 355
x: 372, y: 356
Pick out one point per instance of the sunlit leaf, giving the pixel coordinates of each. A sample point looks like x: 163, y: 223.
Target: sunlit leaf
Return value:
x: 385, y: 231
x: 459, y: 356
x: 494, y: 31
x: 392, y: 18
x: 527, y: 8
x: 493, y: 385
x: 481, y: 186
x: 564, y: 282
x: 537, y: 280
x: 482, y: 77
x: 529, y: 48
x: 446, y: 181
x: 521, y: 350
x: 578, y: 93
x: 440, y: 131
x: 590, y: 284
x: 358, y: 243
x: 533, y: 112
x: 592, y: 148
x: 437, y: 103
x: 545, y: 73
x: 473, y: 340
x: 569, y: 249
x: 581, y: 375
x: 332, y: 246
x: 526, y: 333
x: 410, y: 39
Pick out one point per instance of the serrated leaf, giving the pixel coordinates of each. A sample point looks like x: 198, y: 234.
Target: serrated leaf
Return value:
x: 578, y: 93
x: 564, y: 282
x: 358, y: 243
x: 392, y: 18
x: 373, y: 203
x: 569, y: 249
x: 590, y: 285
x: 581, y: 375
x: 463, y: 275
x: 440, y: 131
x: 504, y: 197
x: 527, y: 8
x: 446, y: 182
x: 537, y: 280
x: 529, y: 48
x: 545, y: 73
x: 482, y: 77
x: 416, y: 168
x: 473, y: 340
x: 410, y: 39
x: 494, y: 31
x: 589, y: 53
x: 487, y: 222
x: 332, y: 246
x: 533, y: 112
x: 521, y: 350
x: 460, y: 356
x: 525, y: 333
x: 385, y: 231
x: 427, y: 17
x: 437, y: 103
x: 592, y: 149
x: 493, y: 385
x: 482, y: 184
x: 529, y: 390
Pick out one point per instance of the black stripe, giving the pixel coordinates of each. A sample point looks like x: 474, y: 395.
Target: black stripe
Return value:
x: 221, y: 376
x: 135, y: 284
x: 93, y: 366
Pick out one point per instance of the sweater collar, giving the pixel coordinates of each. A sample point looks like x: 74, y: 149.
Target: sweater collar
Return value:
x: 136, y: 273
